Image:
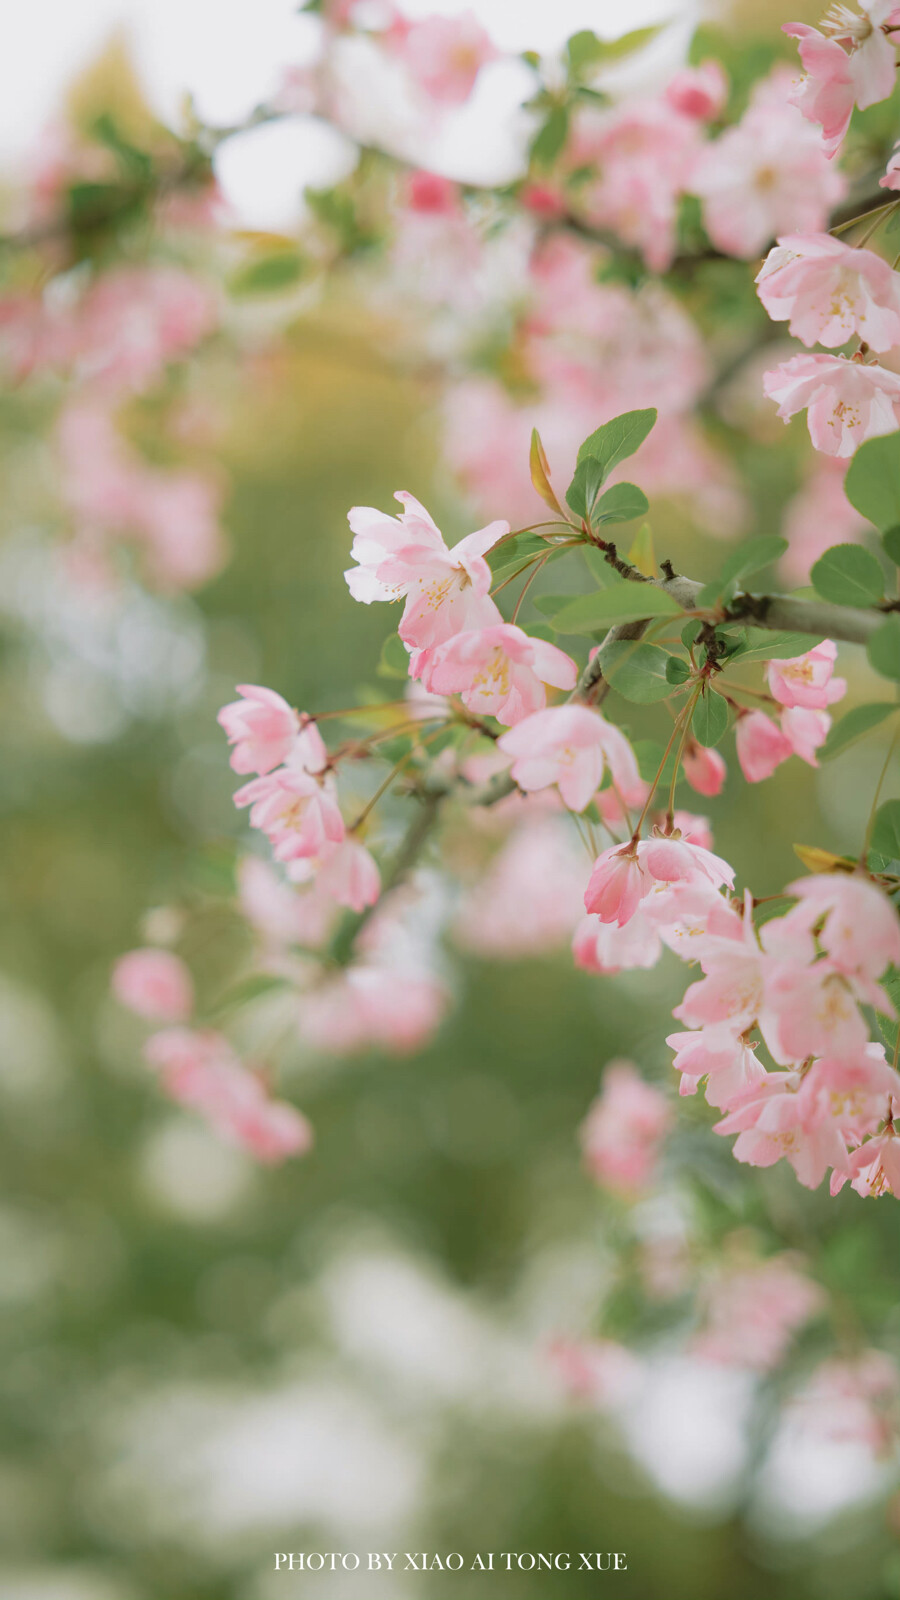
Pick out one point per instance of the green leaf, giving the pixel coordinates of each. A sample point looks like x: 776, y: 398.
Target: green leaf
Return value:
x: 873, y: 481
x: 752, y: 556
x: 269, y: 274
x: 622, y: 503
x: 618, y: 439
x: 602, y: 571
x: 550, y: 137
x: 636, y: 670
x: 584, y: 50
x: 764, y: 646
x: 710, y: 718
x: 854, y: 725
x: 394, y: 659
x: 677, y: 671
x: 883, y: 649
x: 585, y: 487
x: 849, y: 575
x: 891, y: 542
x: 629, y: 602
x: 886, y: 832
x: 548, y: 603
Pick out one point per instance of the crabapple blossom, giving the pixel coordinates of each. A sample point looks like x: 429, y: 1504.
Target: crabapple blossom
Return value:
x: 775, y: 1123
x: 846, y: 401
x: 853, y: 64
x: 704, y: 768
x: 805, y: 731
x: 607, y: 948
x: 859, y: 929
x: 625, y: 874
x: 766, y: 176
x: 753, y: 1311
x: 499, y: 671
x: 371, y: 1006
x: 699, y: 92
x: 807, y: 680
x: 726, y: 1061
x: 623, y: 1131
x: 819, y: 516
x: 278, y: 912
x: 874, y: 1169
x: 827, y: 291
x: 854, y: 1091
x: 444, y: 55
x: 296, y: 809
x: 349, y: 874
x: 529, y: 895
x: 199, y: 1069
x: 852, y: 1400
x: 446, y: 591
x: 262, y: 728
x: 155, y: 984
x: 571, y: 746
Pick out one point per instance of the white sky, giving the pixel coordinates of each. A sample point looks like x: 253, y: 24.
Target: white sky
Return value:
x: 230, y: 54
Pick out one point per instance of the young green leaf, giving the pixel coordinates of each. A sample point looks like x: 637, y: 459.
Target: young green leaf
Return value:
x: 622, y: 503
x: 849, y: 575
x: 677, y: 670
x: 761, y: 645
x: 750, y: 557
x: 886, y: 832
x: 637, y: 670
x: 585, y: 487
x: 710, y: 718
x: 873, y: 481
x: 854, y: 725
x: 550, y: 137
x: 268, y: 274
x: 540, y: 473
x: 883, y: 649
x: 618, y: 439
x: 628, y: 602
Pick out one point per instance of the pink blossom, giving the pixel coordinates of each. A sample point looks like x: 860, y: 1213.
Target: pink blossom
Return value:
x: 446, y: 590
x: 815, y: 1012
x: 805, y: 731
x: 733, y: 989
x: 875, y: 1166
x: 372, y: 1007
x: 597, y: 1370
x: 727, y: 1062
x: 855, y: 65
x: 854, y: 1091
x: 827, y: 292
x: 571, y: 746
x: 431, y: 194
x: 776, y: 1124
x: 623, y: 1131
x: 200, y: 1070
x: 607, y: 948
x: 262, y: 727
x: 278, y: 912
x: 860, y: 930
x: 443, y: 54
x: 846, y: 401
x: 760, y: 745
x: 766, y: 176
x: 853, y: 1400
x: 819, y: 516
x: 645, y: 153
x: 617, y: 885
x: 500, y: 671
x: 349, y: 874
x: 753, y: 1311
x: 136, y: 319
x: 807, y: 680
x: 624, y: 875
x: 528, y: 897
x: 154, y: 984
x: 699, y: 92
x: 296, y: 809
x: 704, y: 769
x: 891, y: 179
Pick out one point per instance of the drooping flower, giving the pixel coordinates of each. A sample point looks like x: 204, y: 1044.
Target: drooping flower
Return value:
x: 854, y: 1091
x: 296, y: 809
x: 805, y: 731
x: 155, y: 984
x: 704, y: 768
x: 199, y: 1069
x: 444, y: 55
x: 775, y: 1124
x: 858, y: 927
x: 767, y: 176
x: 499, y: 671
x: 827, y: 292
x: 571, y: 746
x: 854, y: 63
x: 807, y: 680
x: 699, y: 92
x: 625, y: 875
x: 262, y: 728
x: 624, y: 1129
x: 607, y: 948
x: 726, y: 1061
x: 846, y: 401
x: 349, y: 873
x: 446, y: 590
